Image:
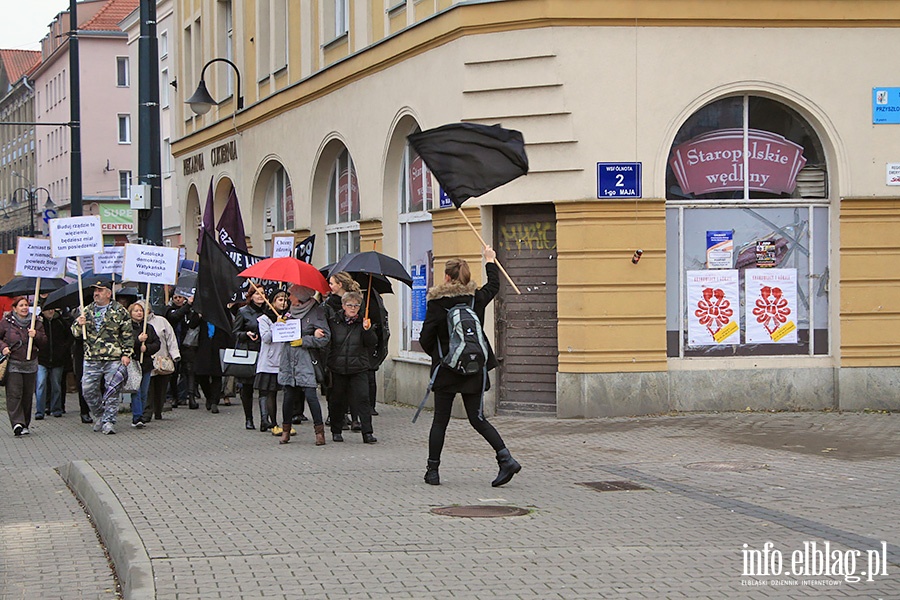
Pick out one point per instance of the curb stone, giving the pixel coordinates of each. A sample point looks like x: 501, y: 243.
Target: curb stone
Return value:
x: 125, y: 546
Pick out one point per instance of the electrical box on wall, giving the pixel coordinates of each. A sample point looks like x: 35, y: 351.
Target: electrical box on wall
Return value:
x: 140, y: 197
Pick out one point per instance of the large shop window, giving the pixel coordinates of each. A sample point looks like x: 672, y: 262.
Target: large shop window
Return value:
x: 342, y: 227
x: 416, y: 245
x: 747, y: 268
x: 279, y: 206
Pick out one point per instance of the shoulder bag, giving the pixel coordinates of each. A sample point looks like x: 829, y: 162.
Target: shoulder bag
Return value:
x: 134, y: 375
x: 238, y: 362
x: 163, y: 365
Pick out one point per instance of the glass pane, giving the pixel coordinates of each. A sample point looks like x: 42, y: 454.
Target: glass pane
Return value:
x: 673, y: 281
x: 343, y: 239
x: 332, y: 197
x: 420, y: 267
x: 354, y: 241
x: 778, y: 237
x: 820, y: 280
x: 419, y: 185
x: 689, y: 173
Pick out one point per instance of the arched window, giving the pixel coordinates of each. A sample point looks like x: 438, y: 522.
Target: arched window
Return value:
x: 342, y: 224
x: 416, y: 246
x: 747, y: 256
x: 279, y: 206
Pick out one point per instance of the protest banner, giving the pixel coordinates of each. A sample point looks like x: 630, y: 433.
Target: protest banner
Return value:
x: 287, y: 331
x: 282, y: 246
x: 109, y: 261
x: 76, y: 236
x: 34, y: 259
x: 153, y: 264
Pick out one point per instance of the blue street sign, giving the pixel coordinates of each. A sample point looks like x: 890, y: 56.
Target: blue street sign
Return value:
x: 618, y: 180
x: 445, y: 201
x: 885, y: 105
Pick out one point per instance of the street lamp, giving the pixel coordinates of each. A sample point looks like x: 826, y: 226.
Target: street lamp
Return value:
x: 31, y: 194
x: 202, y: 101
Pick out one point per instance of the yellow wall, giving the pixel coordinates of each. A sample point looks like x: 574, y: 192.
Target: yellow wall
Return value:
x: 870, y: 282
x: 452, y: 237
x: 612, y: 313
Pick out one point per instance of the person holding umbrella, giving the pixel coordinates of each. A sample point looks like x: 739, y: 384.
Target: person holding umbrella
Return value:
x: 457, y: 288
x: 297, y: 373
x: 15, y: 330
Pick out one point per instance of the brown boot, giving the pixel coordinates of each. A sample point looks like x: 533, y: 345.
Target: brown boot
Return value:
x: 285, y: 434
x: 320, y: 435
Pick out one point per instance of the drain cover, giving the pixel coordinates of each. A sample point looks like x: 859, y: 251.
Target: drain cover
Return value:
x: 479, y: 511
x: 614, y: 486
x: 734, y: 465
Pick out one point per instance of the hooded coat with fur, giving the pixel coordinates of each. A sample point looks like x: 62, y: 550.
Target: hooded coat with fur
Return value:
x: 441, y: 298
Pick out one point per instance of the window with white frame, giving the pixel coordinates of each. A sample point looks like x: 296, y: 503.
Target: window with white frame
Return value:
x: 226, y: 44
x: 164, y: 88
x: 164, y: 44
x: 279, y: 206
x: 124, y: 129
x: 747, y: 241
x: 342, y: 224
x: 341, y: 17
x: 416, y: 246
x: 124, y: 184
x: 122, y: 75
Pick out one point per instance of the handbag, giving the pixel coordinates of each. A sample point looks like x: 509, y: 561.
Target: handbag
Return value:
x: 191, y: 338
x: 4, y: 361
x: 318, y: 364
x: 238, y: 362
x: 134, y: 375
x: 163, y: 365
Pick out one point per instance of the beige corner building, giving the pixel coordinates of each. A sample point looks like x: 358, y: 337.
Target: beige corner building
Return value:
x: 748, y: 148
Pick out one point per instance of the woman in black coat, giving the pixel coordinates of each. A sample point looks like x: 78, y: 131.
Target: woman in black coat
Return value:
x: 458, y: 288
x: 245, y: 329
x: 207, y: 362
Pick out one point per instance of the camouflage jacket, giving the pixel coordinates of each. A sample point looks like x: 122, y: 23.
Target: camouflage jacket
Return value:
x: 115, y: 338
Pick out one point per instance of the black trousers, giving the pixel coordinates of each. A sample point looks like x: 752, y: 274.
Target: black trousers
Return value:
x: 443, y: 404
x: 246, y: 396
x: 156, y: 397
x: 373, y: 389
x: 293, y: 397
x: 352, y: 390
x: 212, y: 388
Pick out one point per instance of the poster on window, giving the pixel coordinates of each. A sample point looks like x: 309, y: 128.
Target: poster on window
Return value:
x: 771, y: 306
x: 713, y: 315
x: 418, y: 300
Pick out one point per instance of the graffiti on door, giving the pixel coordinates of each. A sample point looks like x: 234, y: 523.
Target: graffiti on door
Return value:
x: 528, y: 236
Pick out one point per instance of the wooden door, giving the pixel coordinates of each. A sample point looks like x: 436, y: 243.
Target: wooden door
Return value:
x: 526, y: 324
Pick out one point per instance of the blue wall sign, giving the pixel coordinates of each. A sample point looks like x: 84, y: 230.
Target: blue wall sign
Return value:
x: 885, y: 105
x: 618, y: 180
x: 445, y: 201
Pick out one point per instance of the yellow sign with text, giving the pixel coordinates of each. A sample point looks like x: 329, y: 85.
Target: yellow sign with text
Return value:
x: 783, y: 331
x: 725, y: 332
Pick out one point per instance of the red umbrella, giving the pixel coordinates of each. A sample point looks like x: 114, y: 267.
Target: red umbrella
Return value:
x: 289, y: 270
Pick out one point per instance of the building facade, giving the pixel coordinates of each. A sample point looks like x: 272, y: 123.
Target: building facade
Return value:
x: 107, y: 115
x: 711, y: 136
x: 17, y: 167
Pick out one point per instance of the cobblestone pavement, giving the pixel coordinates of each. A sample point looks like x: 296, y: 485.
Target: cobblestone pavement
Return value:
x: 228, y: 513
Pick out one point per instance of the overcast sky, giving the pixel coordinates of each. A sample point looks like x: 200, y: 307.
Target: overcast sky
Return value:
x: 23, y: 23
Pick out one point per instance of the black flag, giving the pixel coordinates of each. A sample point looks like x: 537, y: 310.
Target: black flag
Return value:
x: 216, y: 283
x: 304, y: 250
x: 469, y: 159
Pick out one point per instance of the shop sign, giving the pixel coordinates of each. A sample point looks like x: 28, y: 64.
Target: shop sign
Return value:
x: 886, y: 105
x: 116, y: 218
x: 618, y: 180
x: 714, y: 162
x: 893, y: 174
x: 193, y: 164
x: 227, y: 152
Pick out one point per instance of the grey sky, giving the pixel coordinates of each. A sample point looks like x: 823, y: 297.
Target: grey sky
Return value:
x: 23, y: 23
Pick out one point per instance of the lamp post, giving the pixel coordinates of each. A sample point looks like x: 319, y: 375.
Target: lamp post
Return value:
x: 201, y: 101
x: 31, y: 194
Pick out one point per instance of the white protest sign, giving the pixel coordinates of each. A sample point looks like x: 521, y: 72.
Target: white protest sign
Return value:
x: 75, y: 236
x: 34, y: 259
x: 287, y: 331
x: 282, y: 246
x: 150, y: 264
x: 109, y: 261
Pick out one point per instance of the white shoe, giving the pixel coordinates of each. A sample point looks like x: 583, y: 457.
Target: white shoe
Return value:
x: 25, y: 431
x: 98, y: 424
x: 108, y: 429
x: 17, y: 429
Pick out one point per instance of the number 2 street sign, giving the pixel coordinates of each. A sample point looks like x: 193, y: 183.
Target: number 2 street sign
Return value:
x: 618, y: 180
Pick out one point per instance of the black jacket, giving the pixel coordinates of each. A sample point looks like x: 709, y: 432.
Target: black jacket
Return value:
x: 351, y: 345
x: 441, y: 298
x: 153, y: 344
x: 59, y: 343
x: 246, y: 321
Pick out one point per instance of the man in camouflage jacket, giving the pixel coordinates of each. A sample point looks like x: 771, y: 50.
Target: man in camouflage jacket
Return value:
x: 108, y: 347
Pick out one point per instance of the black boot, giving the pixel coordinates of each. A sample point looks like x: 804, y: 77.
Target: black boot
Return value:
x: 508, y: 468
x: 249, y: 425
x: 432, y: 477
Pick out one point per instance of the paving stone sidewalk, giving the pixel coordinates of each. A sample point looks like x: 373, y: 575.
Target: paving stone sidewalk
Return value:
x: 228, y: 513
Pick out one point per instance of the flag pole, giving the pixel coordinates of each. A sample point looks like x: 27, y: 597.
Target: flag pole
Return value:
x: 257, y: 289
x: 369, y: 289
x: 37, y: 287
x: 146, y: 311
x: 483, y: 243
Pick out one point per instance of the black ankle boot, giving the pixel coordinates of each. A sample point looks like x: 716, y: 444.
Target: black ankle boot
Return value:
x: 508, y: 468
x: 432, y: 477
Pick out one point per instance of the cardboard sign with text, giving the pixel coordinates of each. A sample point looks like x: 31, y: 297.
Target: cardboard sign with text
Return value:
x: 75, y: 236
x: 34, y: 259
x: 150, y: 264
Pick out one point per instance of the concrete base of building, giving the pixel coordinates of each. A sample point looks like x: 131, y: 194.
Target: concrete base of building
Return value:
x: 587, y: 395
x: 876, y: 388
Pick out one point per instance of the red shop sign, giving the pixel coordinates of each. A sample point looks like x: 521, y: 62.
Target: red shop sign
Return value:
x: 714, y: 162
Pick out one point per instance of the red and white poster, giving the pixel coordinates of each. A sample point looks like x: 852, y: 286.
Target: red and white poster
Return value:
x: 771, y: 306
x: 713, y: 307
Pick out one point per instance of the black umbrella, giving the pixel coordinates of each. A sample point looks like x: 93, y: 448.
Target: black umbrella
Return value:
x: 24, y: 286
x: 67, y: 296
x: 374, y: 263
x: 380, y: 283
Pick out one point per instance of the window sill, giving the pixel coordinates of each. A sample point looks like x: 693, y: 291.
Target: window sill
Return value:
x: 280, y: 71
x: 415, y: 358
x: 263, y: 79
x: 396, y: 9
x: 337, y: 41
